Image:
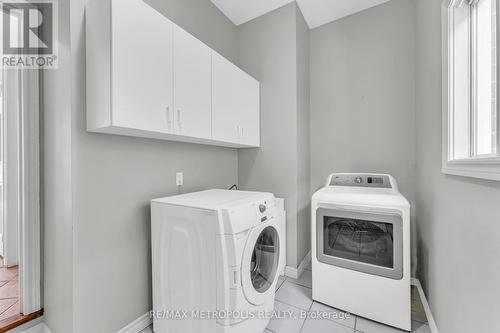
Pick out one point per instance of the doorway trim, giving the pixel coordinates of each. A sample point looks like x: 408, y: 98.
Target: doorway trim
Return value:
x: 29, y: 221
x: 21, y: 95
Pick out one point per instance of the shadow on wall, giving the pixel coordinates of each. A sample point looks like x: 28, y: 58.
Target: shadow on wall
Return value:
x: 146, y: 222
x: 303, y: 231
x: 474, y: 181
x: 248, y: 158
x: 422, y: 261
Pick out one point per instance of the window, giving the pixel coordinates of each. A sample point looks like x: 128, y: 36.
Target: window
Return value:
x: 470, y: 127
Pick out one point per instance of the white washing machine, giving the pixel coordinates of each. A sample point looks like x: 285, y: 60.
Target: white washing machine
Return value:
x: 361, y: 247
x: 215, y: 259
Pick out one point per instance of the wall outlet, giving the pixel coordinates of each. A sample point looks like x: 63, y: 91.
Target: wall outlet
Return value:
x: 179, y: 179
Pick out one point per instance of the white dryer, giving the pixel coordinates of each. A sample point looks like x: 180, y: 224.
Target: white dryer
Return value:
x: 361, y: 247
x: 215, y: 258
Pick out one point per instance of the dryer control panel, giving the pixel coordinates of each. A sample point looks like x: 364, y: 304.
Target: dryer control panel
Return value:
x: 360, y: 180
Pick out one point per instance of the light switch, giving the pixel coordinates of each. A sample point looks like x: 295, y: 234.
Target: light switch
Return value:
x: 179, y: 179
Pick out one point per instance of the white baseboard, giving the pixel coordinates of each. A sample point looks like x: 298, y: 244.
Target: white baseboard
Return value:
x: 291, y: 272
x: 425, y: 304
x: 137, y: 325
x: 39, y: 328
x: 295, y: 273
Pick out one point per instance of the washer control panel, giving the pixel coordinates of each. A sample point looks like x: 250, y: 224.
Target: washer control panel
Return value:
x: 360, y: 180
x: 265, y: 211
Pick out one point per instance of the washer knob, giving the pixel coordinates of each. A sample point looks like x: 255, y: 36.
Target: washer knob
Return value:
x: 262, y: 208
x: 358, y: 180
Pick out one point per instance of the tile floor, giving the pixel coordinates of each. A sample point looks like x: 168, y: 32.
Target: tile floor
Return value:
x: 9, y: 291
x: 295, y: 296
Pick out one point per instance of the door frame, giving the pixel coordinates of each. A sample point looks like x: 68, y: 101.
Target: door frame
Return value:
x: 30, y: 224
x: 11, y: 166
x: 22, y: 175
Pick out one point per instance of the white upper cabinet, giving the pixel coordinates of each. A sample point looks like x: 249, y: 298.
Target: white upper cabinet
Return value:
x: 147, y: 77
x: 225, y: 125
x: 235, y: 103
x: 251, y: 116
x: 192, y: 86
x: 248, y: 109
x: 142, y: 67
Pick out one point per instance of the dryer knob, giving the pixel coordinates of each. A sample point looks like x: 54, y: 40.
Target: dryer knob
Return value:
x: 262, y: 208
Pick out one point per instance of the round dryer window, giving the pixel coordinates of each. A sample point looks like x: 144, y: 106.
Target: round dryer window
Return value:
x: 264, y: 262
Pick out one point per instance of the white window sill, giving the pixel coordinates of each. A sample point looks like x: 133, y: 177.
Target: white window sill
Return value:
x: 481, y: 167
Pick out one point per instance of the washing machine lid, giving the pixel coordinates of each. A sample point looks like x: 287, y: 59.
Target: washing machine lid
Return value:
x: 215, y: 199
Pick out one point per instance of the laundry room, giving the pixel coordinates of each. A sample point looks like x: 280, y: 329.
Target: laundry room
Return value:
x: 233, y: 166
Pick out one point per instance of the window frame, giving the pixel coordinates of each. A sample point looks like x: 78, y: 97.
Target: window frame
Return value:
x: 480, y: 166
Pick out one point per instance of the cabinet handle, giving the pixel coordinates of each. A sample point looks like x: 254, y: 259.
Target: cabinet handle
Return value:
x: 169, y: 120
x: 237, y: 131
x: 179, y: 119
x: 242, y: 133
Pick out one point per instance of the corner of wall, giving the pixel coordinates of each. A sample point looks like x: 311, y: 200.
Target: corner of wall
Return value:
x: 275, y: 49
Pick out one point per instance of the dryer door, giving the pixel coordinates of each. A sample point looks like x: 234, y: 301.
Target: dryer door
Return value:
x: 371, y: 243
x: 259, y: 269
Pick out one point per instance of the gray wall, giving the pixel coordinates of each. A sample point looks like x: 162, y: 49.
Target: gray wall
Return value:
x: 303, y: 140
x: 458, y: 229
x: 362, y: 95
x: 98, y: 187
x: 203, y: 20
x: 268, y: 51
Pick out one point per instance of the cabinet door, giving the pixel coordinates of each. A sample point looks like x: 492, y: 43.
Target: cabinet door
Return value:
x: 249, y: 101
x: 225, y: 100
x: 235, y: 103
x: 192, y: 86
x: 141, y: 67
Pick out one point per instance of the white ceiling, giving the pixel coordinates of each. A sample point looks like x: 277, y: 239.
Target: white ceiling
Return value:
x: 241, y: 11
x: 319, y: 12
x: 316, y: 12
